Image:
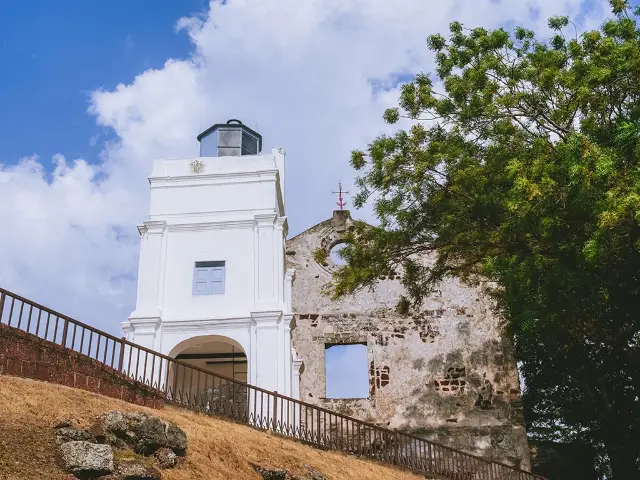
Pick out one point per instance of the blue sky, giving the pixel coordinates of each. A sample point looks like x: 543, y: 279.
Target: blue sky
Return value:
x: 56, y: 53
x: 347, y: 371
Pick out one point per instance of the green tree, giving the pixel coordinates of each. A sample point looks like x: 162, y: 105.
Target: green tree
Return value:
x: 522, y: 167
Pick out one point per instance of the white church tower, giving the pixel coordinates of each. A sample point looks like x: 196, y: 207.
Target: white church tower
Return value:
x: 212, y: 285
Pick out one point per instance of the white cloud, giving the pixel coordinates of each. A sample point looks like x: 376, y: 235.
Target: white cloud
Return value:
x: 300, y: 72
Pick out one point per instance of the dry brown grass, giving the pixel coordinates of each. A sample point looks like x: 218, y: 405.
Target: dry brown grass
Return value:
x: 217, y: 449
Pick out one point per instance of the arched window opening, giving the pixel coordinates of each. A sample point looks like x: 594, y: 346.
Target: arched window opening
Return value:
x: 334, y: 254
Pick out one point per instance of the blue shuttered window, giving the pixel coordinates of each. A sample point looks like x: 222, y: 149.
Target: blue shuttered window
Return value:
x: 208, y: 278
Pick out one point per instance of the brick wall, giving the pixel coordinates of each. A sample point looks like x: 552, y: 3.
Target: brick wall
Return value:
x: 25, y: 355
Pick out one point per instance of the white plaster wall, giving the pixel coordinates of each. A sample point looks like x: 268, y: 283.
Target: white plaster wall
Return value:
x: 245, y: 184
x: 184, y: 248
x: 227, y: 209
x: 168, y: 200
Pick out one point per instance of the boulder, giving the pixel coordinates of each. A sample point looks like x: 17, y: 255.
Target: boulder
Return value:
x: 315, y: 474
x: 166, y: 458
x: 103, y: 436
x: 271, y: 473
x: 85, y: 459
x: 143, y: 433
x: 132, y: 469
x: 149, y: 436
x: 279, y: 474
x: 121, y: 424
x: 176, y: 438
x: 70, y: 434
x: 274, y: 473
x: 98, y: 432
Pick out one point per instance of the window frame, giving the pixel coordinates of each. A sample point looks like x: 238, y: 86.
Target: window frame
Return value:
x: 329, y: 345
x: 210, y: 267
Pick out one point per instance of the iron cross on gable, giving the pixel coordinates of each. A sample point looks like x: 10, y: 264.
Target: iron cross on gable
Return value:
x: 340, y: 202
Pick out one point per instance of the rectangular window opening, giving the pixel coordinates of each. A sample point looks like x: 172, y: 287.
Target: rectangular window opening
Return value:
x: 347, y: 371
x: 208, y: 278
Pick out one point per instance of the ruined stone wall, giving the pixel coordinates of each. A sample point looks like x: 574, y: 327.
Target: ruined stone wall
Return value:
x: 445, y: 372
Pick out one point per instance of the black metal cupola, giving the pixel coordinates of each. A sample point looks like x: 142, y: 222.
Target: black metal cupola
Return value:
x: 229, y: 139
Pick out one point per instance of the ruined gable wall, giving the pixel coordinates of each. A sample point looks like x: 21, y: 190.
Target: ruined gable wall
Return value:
x: 445, y: 372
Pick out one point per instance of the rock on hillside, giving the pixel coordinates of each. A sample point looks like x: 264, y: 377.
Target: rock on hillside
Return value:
x: 120, y: 446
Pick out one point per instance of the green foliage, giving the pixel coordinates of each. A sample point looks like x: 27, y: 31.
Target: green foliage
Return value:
x: 558, y: 23
x: 523, y: 167
x: 403, y: 306
x: 320, y: 255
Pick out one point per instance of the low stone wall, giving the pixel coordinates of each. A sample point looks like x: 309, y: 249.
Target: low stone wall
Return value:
x: 25, y: 355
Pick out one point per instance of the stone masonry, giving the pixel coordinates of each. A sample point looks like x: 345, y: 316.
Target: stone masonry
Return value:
x: 445, y: 373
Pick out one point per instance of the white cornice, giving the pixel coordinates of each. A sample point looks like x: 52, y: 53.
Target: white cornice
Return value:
x: 287, y: 319
x: 144, y: 324
x: 214, y: 179
x: 268, y: 318
x: 199, y: 324
x: 155, y: 224
x: 197, y: 227
x: 266, y: 314
x: 263, y: 219
x: 152, y: 226
x: 224, y: 216
x: 282, y: 223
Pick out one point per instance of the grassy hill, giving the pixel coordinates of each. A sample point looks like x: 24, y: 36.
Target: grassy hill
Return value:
x: 218, y: 449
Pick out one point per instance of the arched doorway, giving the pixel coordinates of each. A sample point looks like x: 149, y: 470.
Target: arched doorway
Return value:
x: 219, y: 355
x: 218, y: 383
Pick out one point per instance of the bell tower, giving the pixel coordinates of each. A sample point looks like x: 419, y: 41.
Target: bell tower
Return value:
x: 212, y: 265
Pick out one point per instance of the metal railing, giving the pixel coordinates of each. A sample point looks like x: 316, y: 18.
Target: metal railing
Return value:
x: 200, y: 390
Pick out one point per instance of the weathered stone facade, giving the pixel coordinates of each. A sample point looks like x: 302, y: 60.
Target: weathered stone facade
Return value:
x: 445, y: 373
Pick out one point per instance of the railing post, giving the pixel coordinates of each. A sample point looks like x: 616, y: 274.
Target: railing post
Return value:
x: 121, y: 359
x: 65, y: 329
x: 275, y: 410
x: 2, y: 297
x: 396, y: 449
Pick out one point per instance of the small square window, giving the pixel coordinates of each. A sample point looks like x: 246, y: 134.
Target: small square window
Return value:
x: 208, y: 278
x: 347, y: 371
